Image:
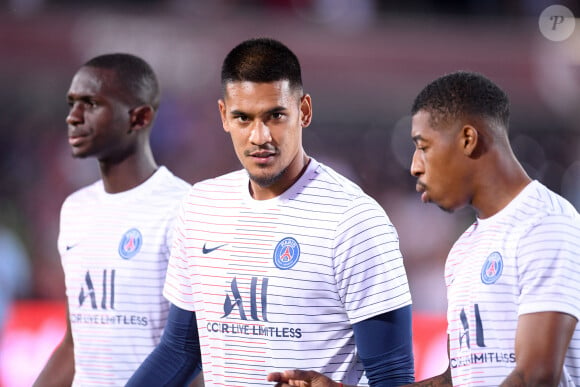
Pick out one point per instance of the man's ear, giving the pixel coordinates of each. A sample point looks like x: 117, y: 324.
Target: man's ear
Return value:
x: 470, y: 140
x: 305, y: 110
x: 222, y: 109
x: 141, y: 117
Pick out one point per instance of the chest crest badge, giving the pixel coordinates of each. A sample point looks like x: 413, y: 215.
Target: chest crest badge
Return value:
x: 492, y: 268
x: 286, y: 253
x: 130, y: 243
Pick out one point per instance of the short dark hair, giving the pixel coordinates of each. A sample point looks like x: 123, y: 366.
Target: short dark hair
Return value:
x: 464, y: 93
x: 261, y: 60
x: 134, y: 74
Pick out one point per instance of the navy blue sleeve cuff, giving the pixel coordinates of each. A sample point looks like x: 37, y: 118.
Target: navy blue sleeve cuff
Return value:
x: 385, y: 347
x: 177, y: 358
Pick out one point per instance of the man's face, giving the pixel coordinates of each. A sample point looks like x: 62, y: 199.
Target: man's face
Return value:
x: 98, y: 120
x: 265, y: 121
x: 439, y: 163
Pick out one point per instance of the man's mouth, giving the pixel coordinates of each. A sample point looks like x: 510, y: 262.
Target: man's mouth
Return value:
x: 422, y: 189
x: 76, y: 139
x: 262, y: 155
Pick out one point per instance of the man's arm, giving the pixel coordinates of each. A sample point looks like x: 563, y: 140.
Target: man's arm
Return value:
x: 542, y: 340
x: 443, y: 380
x: 385, y: 346
x: 302, y: 378
x: 177, y: 358
x: 60, y: 367
x: 315, y: 379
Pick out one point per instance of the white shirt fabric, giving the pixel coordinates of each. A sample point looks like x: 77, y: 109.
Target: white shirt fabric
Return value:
x: 524, y: 259
x: 277, y: 284
x: 114, y: 250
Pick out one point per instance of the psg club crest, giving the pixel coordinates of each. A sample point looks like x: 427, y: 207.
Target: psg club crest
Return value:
x: 286, y: 253
x: 492, y: 268
x: 130, y: 243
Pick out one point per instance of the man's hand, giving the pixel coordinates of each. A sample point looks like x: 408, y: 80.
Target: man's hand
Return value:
x: 300, y: 378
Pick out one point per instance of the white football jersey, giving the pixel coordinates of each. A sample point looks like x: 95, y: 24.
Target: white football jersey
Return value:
x: 277, y: 284
x: 114, y: 250
x: 524, y: 259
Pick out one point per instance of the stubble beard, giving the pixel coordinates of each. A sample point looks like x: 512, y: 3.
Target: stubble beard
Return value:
x: 267, y: 181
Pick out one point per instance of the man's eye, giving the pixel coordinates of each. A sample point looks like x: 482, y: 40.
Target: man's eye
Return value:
x: 277, y: 116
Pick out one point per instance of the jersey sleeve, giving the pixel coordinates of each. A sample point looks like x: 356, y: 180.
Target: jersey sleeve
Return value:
x: 369, y: 271
x: 178, y: 288
x: 63, y: 236
x: 549, y: 266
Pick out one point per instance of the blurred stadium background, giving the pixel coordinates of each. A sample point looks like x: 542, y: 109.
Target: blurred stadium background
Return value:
x: 363, y: 63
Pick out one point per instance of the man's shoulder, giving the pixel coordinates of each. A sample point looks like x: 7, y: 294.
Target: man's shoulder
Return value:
x: 328, y: 175
x: 544, y: 204
x: 229, y: 179
x: 88, y: 192
x: 544, y: 215
x: 173, y: 182
x: 339, y: 186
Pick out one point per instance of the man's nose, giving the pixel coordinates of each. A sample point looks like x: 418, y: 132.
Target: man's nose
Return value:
x: 416, y: 165
x: 260, y: 133
x: 75, y: 114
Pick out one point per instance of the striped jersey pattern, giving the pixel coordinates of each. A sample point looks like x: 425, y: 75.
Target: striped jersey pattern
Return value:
x: 524, y: 259
x: 114, y: 251
x: 277, y: 284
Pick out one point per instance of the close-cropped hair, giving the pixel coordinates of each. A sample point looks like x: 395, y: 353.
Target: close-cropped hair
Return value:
x: 134, y: 74
x: 461, y: 94
x: 261, y: 60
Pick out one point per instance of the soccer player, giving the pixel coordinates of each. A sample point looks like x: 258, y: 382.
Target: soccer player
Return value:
x: 513, y: 277
x: 284, y: 263
x: 114, y: 238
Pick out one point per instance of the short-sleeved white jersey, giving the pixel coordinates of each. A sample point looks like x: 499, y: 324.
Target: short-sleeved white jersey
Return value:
x: 277, y: 284
x: 524, y: 259
x: 114, y: 250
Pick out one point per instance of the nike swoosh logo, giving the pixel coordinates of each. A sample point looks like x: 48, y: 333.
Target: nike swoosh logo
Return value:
x: 206, y: 250
x: 71, y: 246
